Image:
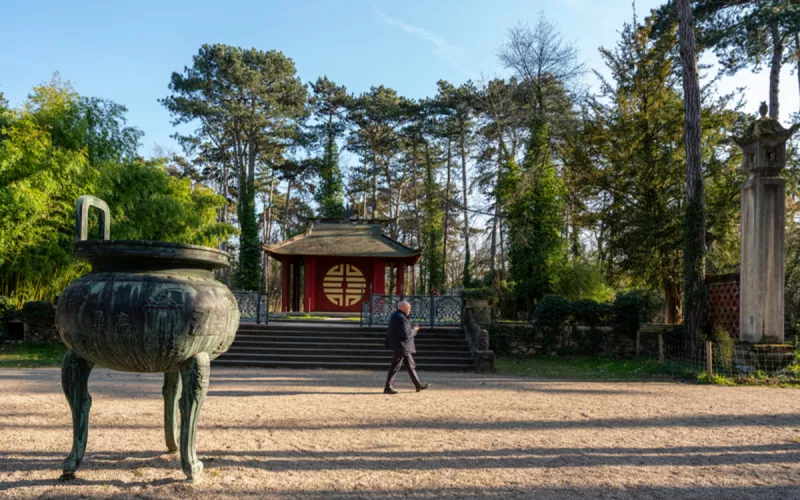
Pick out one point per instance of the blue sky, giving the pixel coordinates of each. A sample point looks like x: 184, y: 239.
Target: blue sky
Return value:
x: 126, y: 51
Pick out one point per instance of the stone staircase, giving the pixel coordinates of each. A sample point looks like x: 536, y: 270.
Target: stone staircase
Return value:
x: 339, y: 345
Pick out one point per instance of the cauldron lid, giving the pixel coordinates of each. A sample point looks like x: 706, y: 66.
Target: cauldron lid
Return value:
x: 100, y: 251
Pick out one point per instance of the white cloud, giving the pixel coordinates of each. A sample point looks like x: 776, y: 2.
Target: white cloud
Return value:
x: 445, y: 51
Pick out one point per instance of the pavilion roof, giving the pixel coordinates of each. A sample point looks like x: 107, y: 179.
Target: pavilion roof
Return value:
x: 343, y: 239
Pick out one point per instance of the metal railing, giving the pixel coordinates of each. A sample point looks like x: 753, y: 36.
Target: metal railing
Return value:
x: 253, y: 306
x: 431, y: 310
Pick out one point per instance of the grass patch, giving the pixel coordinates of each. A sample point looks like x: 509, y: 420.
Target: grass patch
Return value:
x: 27, y: 355
x: 759, y: 378
x: 590, y: 368
x: 632, y: 370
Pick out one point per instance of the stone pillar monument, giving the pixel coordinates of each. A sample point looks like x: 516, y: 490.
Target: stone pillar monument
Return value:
x: 763, y: 216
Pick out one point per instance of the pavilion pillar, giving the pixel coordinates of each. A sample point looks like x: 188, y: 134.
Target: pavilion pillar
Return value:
x: 378, y: 276
x: 285, y: 269
x: 309, y: 283
x: 296, y: 285
x: 401, y: 274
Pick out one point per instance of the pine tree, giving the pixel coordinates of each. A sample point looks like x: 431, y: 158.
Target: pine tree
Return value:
x: 248, y: 103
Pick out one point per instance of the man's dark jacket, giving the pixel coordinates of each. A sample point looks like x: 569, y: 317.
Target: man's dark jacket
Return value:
x: 400, y: 336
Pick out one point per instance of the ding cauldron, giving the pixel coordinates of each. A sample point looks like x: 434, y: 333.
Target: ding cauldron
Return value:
x: 146, y: 306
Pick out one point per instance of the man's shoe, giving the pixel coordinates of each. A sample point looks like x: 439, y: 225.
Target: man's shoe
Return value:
x: 389, y: 390
x: 423, y: 387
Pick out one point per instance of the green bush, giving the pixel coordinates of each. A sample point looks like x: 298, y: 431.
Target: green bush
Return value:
x: 487, y: 293
x: 583, y: 279
x: 5, y: 311
x: 507, y: 306
x: 551, y: 314
x: 588, y: 311
x: 629, y: 311
x: 652, y: 303
x: 591, y: 314
x: 38, y: 312
x: 500, y: 340
x: 6, y: 307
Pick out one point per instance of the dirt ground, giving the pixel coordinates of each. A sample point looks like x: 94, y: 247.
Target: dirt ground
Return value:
x: 324, y: 435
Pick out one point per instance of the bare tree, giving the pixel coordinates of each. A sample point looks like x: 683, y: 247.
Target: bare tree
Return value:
x: 540, y: 56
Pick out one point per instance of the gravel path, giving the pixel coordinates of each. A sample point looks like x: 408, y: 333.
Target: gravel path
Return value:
x: 326, y: 435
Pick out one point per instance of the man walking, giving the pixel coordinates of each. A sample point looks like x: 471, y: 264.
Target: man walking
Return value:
x: 400, y: 339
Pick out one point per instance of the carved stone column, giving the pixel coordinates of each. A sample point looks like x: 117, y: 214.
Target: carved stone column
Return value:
x: 762, y: 230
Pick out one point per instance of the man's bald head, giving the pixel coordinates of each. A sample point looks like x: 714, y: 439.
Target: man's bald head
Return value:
x: 404, y: 306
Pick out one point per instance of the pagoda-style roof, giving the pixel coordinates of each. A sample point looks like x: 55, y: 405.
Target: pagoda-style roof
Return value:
x: 765, y: 129
x: 344, y: 239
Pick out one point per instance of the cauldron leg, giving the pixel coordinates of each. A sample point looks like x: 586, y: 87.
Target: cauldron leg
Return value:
x: 171, y: 392
x: 74, y: 380
x: 194, y: 375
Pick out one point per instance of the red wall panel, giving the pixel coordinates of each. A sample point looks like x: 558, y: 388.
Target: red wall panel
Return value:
x: 339, y: 282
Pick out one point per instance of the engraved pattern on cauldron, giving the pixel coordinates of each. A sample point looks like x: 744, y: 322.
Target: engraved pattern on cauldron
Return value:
x: 143, y: 322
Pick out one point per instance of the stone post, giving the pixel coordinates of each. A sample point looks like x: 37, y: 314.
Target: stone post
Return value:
x: 763, y: 215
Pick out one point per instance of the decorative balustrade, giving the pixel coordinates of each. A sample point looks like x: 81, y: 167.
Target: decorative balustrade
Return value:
x: 253, y: 306
x: 433, y: 310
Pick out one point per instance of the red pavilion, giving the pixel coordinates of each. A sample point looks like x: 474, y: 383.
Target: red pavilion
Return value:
x: 340, y: 262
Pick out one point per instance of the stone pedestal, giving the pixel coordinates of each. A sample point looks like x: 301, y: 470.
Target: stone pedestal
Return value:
x: 481, y: 312
x: 762, y: 265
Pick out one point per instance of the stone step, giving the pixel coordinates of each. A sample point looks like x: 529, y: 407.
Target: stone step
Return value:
x: 347, y: 334
x: 342, y: 344
x: 379, y: 357
x: 371, y: 366
x: 311, y: 350
x: 337, y: 328
x: 344, y: 340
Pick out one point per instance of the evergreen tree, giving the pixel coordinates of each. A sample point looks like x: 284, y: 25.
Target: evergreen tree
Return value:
x: 534, y: 197
x: 247, y: 103
x: 328, y: 103
x: 377, y: 118
x: 629, y: 165
x: 432, y: 230
x: 751, y: 33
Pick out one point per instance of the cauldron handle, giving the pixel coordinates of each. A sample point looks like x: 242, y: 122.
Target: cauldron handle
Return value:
x: 82, y: 218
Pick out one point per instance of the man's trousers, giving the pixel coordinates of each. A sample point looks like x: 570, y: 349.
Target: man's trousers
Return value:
x: 400, y: 358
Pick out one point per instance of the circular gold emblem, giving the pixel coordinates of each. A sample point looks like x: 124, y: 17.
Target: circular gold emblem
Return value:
x: 343, y: 284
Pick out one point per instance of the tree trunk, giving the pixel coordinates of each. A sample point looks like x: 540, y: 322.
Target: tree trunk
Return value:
x: 417, y: 220
x: 496, y: 221
x: 446, y: 211
x: 467, y: 263
x: 775, y: 70
x: 268, y: 227
x: 223, y: 245
x: 503, y: 273
x: 672, y: 302
x: 286, y: 209
x: 695, y: 297
x: 797, y: 57
x: 375, y: 185
x: 364, y: 205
